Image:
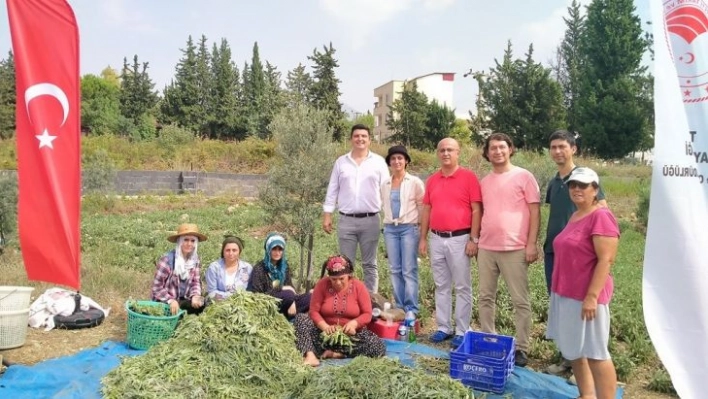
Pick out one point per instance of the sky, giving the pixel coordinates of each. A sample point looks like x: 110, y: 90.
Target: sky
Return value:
x: 375, y: 40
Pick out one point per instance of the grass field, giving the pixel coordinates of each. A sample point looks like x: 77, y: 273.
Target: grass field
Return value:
x: 123, y: 236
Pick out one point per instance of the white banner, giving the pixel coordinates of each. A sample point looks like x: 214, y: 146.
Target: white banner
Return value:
x: 675, y: 284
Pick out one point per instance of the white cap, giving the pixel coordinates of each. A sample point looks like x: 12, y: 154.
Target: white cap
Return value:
x: 584, y: 175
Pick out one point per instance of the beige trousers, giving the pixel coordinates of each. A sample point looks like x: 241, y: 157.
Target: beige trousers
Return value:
x: 514, y: 270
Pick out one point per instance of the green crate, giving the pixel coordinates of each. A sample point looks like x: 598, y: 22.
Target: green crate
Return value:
x: 145, y: 331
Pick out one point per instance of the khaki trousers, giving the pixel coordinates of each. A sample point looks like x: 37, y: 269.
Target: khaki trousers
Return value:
x: 513, y: 268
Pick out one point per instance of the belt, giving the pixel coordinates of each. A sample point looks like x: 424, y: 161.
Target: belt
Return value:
x: 359, y: 215
x: 449, y: 234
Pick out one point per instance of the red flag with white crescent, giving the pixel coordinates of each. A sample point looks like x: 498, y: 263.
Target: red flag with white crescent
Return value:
x: 45, y: 43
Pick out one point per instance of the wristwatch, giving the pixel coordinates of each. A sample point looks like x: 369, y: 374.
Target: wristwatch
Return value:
x: 474, y: 239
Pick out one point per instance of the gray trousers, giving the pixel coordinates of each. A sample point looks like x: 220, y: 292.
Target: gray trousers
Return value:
x: 451, y: 267
x: 364, y: 232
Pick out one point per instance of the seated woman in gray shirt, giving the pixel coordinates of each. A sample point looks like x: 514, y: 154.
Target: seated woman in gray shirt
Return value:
x: 228, y: 274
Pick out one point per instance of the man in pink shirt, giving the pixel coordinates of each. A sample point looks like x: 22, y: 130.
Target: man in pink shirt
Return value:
x: 507, y: 244
x: 452, y: 212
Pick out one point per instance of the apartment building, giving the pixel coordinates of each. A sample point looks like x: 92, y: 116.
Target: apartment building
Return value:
x: 436, y: 86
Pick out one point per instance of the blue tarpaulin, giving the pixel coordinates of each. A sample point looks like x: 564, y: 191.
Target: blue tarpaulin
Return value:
x: 79, y: 376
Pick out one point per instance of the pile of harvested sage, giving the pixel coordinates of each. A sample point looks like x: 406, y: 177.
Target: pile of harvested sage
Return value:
x: 243, y: 348
x: 382, y: 378
x: 238, y: 348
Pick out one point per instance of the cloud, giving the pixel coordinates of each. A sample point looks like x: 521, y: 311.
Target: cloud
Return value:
x: 545, y: 34
x: 437, y: 4
x: 440, y: 59
x: 365, y: 15
x: 124, y: 16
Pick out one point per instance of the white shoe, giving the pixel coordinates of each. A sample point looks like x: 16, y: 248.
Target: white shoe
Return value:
x: 571, y: 380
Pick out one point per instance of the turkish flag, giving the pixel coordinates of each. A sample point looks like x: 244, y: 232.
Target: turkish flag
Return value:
x: 45, y: 42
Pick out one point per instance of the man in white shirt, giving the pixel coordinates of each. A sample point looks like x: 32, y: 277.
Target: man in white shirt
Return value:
x: 355, y: 190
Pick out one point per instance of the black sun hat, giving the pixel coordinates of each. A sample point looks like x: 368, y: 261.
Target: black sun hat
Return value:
x: 397, y: 149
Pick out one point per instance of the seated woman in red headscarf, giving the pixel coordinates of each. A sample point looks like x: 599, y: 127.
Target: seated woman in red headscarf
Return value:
x: 338, y: 301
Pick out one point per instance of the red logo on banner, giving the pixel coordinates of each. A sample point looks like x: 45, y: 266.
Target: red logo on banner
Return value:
x: 686, y: 24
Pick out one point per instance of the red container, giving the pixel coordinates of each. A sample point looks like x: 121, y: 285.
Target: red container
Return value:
x: 380, y: 328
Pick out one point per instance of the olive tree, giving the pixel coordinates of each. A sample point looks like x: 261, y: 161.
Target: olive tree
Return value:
x: 297, y: 180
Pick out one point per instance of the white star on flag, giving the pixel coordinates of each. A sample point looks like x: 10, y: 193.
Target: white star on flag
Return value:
x: 45, y: 139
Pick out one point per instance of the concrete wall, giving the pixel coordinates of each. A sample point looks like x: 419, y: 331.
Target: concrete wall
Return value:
x: 129, y: 182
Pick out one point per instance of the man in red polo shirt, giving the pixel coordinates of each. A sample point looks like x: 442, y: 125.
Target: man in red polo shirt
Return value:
x: 452, y: 211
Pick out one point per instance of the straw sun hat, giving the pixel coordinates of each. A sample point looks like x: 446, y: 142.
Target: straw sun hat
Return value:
x: 187, y: 229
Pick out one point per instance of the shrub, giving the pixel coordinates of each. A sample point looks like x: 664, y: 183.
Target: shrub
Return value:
x: 643, y: 205
x: 98, y: 172
x: 661, y: 382
x: 173, y: 135
x: 8, y: 207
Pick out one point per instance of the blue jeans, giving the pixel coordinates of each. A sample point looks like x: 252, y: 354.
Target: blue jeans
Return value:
x: 548, y: 267
x: 402, y: 248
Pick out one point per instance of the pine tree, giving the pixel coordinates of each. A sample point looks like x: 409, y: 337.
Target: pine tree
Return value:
x: 224, y: 97
x: 497, y: 92
x: 612, y: 122
x: 204, y: 112
x: 569, y: 68
x: 408, y: 117
x: 539, y: 99
x: 181, y: 96
x: 324, y: 91
x: 273, y: 100
x: 137, y: 101
x: 522, y: 100
x: 254, y: 93
x: 440, y: 123
x: 298, y: 85
x: 137, y: 95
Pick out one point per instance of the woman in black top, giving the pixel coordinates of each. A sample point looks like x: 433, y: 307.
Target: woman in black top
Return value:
x: 272, y: 276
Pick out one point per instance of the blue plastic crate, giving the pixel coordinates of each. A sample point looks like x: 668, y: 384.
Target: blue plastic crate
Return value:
x: 483, y: 361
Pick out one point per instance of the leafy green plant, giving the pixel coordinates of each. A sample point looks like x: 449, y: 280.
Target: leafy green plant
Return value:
x: 8, y: 207
x: 173, y: 135
x: 98, y: 172
x: 642, y: 211
x: 661, y: 382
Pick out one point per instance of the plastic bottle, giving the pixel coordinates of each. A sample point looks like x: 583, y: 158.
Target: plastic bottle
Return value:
x: 376, y: 313
x: 410, y: 325
x: 403, y: 332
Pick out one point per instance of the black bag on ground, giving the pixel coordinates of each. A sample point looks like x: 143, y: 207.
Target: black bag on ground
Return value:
x: 80, y: 319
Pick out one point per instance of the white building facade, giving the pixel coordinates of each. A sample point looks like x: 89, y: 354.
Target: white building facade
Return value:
x: 436, y: 86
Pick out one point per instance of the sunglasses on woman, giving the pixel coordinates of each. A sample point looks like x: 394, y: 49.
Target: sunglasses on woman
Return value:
x: 577, y: 184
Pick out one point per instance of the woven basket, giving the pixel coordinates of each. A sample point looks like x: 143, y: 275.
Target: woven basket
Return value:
x: 13, y: 328
x: 145, y: 331
x: 15, y: 298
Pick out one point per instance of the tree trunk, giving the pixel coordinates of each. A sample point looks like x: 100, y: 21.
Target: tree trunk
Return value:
x: 310, y: 248
x: 301, y: 269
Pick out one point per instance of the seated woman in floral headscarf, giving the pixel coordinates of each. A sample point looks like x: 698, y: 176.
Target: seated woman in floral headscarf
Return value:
x: 340, y: 301
x: 272, y: 276
x: 177, y: 279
